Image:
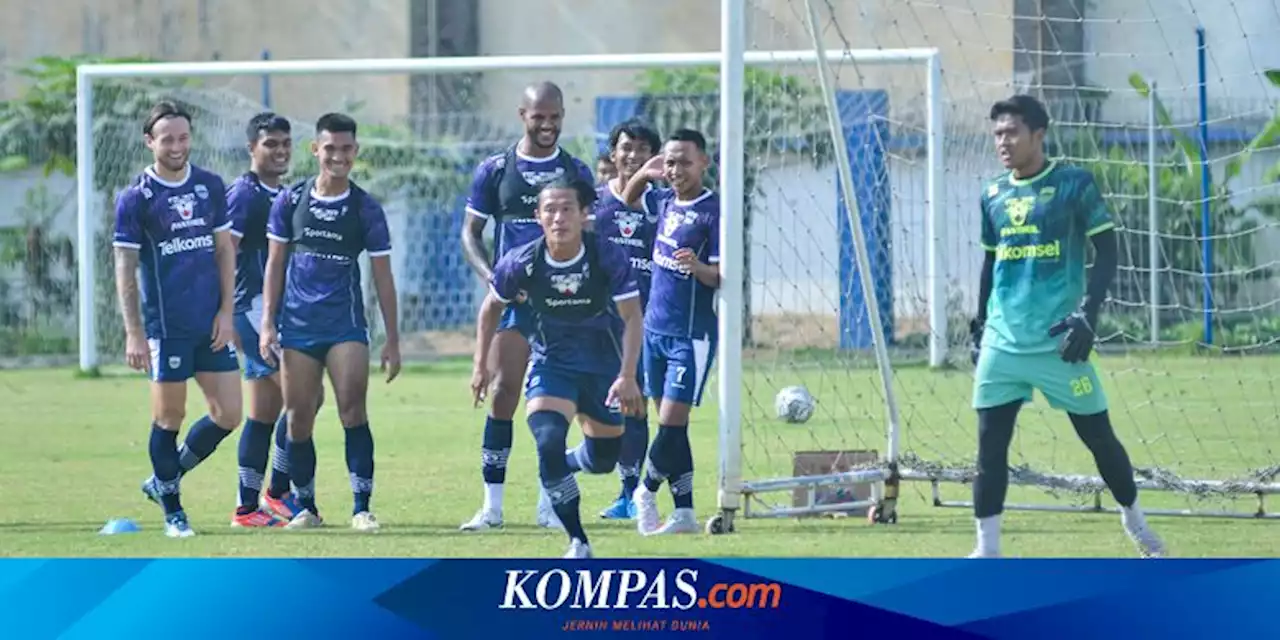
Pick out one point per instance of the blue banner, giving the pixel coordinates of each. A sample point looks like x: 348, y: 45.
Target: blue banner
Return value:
x: 739, y: 599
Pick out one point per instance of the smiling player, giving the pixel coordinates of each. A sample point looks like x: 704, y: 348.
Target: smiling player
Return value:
x: 680, y: 320
x: 172, y: 222
x: 505, y: 189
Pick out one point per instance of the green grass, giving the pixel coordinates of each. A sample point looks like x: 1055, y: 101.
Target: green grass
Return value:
x: 73, y: 451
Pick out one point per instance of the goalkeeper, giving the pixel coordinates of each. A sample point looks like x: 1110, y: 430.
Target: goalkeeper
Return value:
x: 1036, y: 315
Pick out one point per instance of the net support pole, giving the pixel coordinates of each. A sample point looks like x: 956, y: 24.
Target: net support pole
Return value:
x: 1206, y: 222
x: 732, y: 248
x: 85, y: 222
x: 934, y: 181
x: 826, y: 83
x: 1153, y: 217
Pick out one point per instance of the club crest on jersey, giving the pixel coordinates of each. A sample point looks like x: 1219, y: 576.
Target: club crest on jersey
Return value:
x: 1046, y: 195
x: 1018, y: 208
x: 324, y: 214
x: 183, y: 205
x: 567, y: 284
x: 202, y: 192
x: 628, y: 222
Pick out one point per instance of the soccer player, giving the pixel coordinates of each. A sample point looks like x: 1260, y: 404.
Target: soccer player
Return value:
x: 172, y: 221
x: 505, y: 189
x: 249, y: 202
x: 586, y: 343
x: 1037, y: 314
x: 631, y: 145
x: 606, y: 169
x: 680, y: 320
x: 313, y: 312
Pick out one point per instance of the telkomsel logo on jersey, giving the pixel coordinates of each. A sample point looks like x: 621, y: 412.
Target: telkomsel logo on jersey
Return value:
x: 183, y: 245
x: 632, y: 589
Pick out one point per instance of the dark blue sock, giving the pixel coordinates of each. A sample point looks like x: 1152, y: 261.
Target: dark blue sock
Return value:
x: 360, y: 465
x: 550, y: 431
x: 255, y: 448
x: 164, y: 463
x: 680, y: 477
x: 660, y: 463
x: 302, y: 471
x: 280, y: 460
x: 494, y: 450
x: 202, y: 439
x: 635, y: 443
x: 594, y: 455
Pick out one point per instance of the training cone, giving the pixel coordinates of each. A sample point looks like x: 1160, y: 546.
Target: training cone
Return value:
x: 119, y: 525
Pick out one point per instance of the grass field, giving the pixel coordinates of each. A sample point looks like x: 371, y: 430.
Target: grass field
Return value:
x: 73, y: 451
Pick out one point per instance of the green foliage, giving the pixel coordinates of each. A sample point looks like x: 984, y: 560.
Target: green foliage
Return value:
x: 1124, y: 176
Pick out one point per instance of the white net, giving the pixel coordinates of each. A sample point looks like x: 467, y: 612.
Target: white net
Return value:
x: 1185, y: 412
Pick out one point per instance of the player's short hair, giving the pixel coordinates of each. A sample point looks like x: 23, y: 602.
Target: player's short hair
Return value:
x: 336, y: 123
x: 267, y: 122
x: 1031, y: 110
x: 585, y: 191
x: 604, y: 157
x: 163, y: 110
x: 692, y: 136
x: 636, y: 130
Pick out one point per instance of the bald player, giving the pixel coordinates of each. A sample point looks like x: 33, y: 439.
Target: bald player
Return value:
x: 505, y: 190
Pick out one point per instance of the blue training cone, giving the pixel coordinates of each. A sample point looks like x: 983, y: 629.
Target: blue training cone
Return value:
x: 119, y: 525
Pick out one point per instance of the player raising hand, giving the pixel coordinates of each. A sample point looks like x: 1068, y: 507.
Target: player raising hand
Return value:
x: 587, y: 328
x: 680, y: 320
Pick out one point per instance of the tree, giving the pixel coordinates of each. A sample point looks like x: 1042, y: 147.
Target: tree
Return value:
x: 781, y: 112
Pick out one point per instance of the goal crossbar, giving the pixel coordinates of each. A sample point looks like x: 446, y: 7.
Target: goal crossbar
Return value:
x: 733, y: 488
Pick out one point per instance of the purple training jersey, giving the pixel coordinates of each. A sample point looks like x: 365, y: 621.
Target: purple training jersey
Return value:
x: 323, y: 297
x: 631, y: 229
x: 171, y: 224
x: 510, y: 198
x: 680, y: 305
x: 578, y: 328
x: 248, y: 206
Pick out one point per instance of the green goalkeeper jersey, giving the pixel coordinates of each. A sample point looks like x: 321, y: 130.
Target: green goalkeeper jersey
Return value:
x: 1039, y: 230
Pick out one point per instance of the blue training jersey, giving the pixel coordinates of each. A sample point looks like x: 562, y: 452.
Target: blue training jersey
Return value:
x: 248, y: 206
x: 323, y: 295
x: 680, y: 305
x: 574, y: 302
x: 171, y: 224
x: 510, y: 197
x: 633, y: 230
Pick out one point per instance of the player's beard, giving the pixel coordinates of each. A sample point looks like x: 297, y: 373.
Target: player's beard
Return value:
x: 538, y: 138
x: 173, y: 165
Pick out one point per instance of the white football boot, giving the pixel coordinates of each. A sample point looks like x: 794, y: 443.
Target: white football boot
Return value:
x: 547, y: 517
x: 680, y: 521
x: 484, y: 520
x: 578, y: 550
x: 647, y: 518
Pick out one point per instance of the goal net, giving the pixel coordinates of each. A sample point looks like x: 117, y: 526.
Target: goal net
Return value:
x: 1188, y: 334
x: 1199, y: 421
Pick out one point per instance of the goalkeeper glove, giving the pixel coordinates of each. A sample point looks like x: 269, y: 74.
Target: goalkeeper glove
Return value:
x: 976, y: 327
x: 1078, y: 343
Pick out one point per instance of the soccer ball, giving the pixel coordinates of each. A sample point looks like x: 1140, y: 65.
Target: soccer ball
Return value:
x: 794, y: 405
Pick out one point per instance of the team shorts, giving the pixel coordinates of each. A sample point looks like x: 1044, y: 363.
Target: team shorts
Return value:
x: 179, y: 360
x: 318, y: 348
x: 677, y: 368
x: 1002, y: 377
x: 590, y: 391
x: 517, y: 316
x: 255, y: 366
